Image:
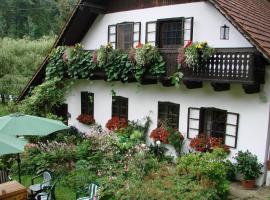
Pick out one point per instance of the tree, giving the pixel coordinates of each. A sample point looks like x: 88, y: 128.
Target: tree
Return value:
x: 19, y: 58
x: 33, y: 18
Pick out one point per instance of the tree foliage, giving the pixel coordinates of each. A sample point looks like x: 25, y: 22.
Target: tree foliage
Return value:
x: 33, y: 18
x: 19, y: 59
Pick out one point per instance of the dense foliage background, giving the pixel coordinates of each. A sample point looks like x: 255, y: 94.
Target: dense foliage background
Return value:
x: 28, y: 29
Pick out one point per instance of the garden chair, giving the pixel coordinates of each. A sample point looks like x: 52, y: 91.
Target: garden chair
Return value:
x: 92, y: 190
x: 46, y: 182
x: 4, y: 176
x: 48, y: 193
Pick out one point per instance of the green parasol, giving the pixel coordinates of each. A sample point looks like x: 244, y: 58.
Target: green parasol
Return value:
x: 20, y: 124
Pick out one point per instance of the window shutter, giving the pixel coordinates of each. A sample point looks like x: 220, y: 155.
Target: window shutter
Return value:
x: 188, y: 29
x: 202, y: 120
x: 232, y: 129
x: 112, y: 30
x: 125, y: 36
x: 87, y: 103
x: 136, y: 34
x: 193, y: 122
x: 150, y: 34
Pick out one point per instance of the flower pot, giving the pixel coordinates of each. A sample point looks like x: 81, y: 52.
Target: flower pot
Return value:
x: 268, y: 165
x: 248, y: 184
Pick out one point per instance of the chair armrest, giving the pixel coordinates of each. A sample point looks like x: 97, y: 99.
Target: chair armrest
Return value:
x: 34, y: 178
x: 44, y: 185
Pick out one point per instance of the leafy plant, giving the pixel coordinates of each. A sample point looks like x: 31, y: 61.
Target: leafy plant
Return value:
x: 248, y: 165
x: 196, y: 51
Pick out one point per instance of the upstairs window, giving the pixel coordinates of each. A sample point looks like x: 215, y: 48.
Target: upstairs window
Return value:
x: 168, y: 113
x: 87, y: 103
x: 120, y: 107
x: 213, y: 122
x: 124, y: 35
x: 169, y: 33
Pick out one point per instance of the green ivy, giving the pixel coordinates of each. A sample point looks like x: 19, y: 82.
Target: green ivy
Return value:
x: 76, y: 63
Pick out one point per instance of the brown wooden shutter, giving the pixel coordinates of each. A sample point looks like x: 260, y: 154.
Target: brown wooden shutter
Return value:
x: 125, y: 36
x: 87, y: 103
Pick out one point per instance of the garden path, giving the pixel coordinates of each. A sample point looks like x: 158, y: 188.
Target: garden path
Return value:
x: 238, y: 193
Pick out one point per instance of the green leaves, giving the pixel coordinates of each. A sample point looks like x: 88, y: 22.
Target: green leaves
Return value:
x: 76, y: 63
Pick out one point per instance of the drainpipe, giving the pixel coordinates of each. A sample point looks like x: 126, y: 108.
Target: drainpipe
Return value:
x: 267, y: 156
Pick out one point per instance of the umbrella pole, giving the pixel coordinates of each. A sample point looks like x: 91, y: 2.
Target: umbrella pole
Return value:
x: 19, y: 167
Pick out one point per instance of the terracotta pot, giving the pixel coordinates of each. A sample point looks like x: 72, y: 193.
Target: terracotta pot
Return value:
x: 268, y: 165
x: 248, y: 184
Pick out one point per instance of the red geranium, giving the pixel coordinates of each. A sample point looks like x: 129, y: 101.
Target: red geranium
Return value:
x: 204, y: 143
x: 116, y: 123
x: 139, y: 45
x: 188, y: 44
x: 86, y: 119
x: 160, y: 134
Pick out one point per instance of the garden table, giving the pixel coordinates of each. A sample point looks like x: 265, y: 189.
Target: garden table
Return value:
x: 13, y: 190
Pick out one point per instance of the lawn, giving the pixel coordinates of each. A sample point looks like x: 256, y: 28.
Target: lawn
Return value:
x: 62, y: 192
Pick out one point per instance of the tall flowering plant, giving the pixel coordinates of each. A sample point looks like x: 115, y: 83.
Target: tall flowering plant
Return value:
x: 205, y: 143
x: 116, y: 123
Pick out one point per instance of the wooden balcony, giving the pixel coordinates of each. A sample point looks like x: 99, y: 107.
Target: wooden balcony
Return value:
x: 226, y: 65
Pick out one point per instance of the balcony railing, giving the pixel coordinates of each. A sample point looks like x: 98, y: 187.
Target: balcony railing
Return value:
x: 225, y: 65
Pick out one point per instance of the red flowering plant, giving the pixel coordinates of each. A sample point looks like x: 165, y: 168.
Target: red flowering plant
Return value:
x: 116, y: 123
x: 168, y: 135
x: 86, y: 119
x: 205, y: 143
x: 160, y: 134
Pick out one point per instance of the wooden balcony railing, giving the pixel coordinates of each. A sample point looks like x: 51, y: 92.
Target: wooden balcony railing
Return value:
x: 225, y: 65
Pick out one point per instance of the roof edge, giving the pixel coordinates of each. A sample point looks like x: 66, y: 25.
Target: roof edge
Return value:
x: 240, y: 29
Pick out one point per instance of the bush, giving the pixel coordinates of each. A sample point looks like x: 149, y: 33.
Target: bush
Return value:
x: 208, y: 169
x: 248, y: 165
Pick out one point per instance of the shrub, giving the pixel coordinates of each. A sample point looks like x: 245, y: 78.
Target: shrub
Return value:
x: 208, y: 169
x: 248, y: 165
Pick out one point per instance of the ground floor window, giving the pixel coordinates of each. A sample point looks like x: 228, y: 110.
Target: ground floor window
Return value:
x: 168, y: 113
x: 213, y: 122
x: 87, y: 103
x: 120, y: 107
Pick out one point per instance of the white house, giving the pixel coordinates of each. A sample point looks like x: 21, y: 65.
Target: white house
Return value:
x: 229, y: 98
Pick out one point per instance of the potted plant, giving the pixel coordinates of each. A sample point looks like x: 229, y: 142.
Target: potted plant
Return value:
x: 249, y: 167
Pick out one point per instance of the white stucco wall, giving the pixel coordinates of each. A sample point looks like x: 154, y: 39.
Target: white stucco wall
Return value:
x: 143, y: 101
x: 207, y: 22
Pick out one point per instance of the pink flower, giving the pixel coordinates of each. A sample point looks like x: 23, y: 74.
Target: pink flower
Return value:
x: 188, y: 44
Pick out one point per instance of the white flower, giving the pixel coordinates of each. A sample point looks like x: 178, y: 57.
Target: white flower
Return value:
x: 158, y: 143
x: 143, y: 145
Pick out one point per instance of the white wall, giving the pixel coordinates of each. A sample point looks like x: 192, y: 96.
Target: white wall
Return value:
x: 207, y: 22
x: 143, y: 101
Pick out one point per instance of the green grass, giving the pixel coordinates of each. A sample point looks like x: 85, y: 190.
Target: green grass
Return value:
x: 62, y: 192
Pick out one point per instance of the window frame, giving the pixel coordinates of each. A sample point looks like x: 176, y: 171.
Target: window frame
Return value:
x: 120, y: 100
x: 115, y: 35
x: 167, y: 108
x: 89, y: 110
x: 158, y: 29
x: 227, y: 124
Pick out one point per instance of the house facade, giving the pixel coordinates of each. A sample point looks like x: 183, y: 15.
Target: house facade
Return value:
x: 229, y: 97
